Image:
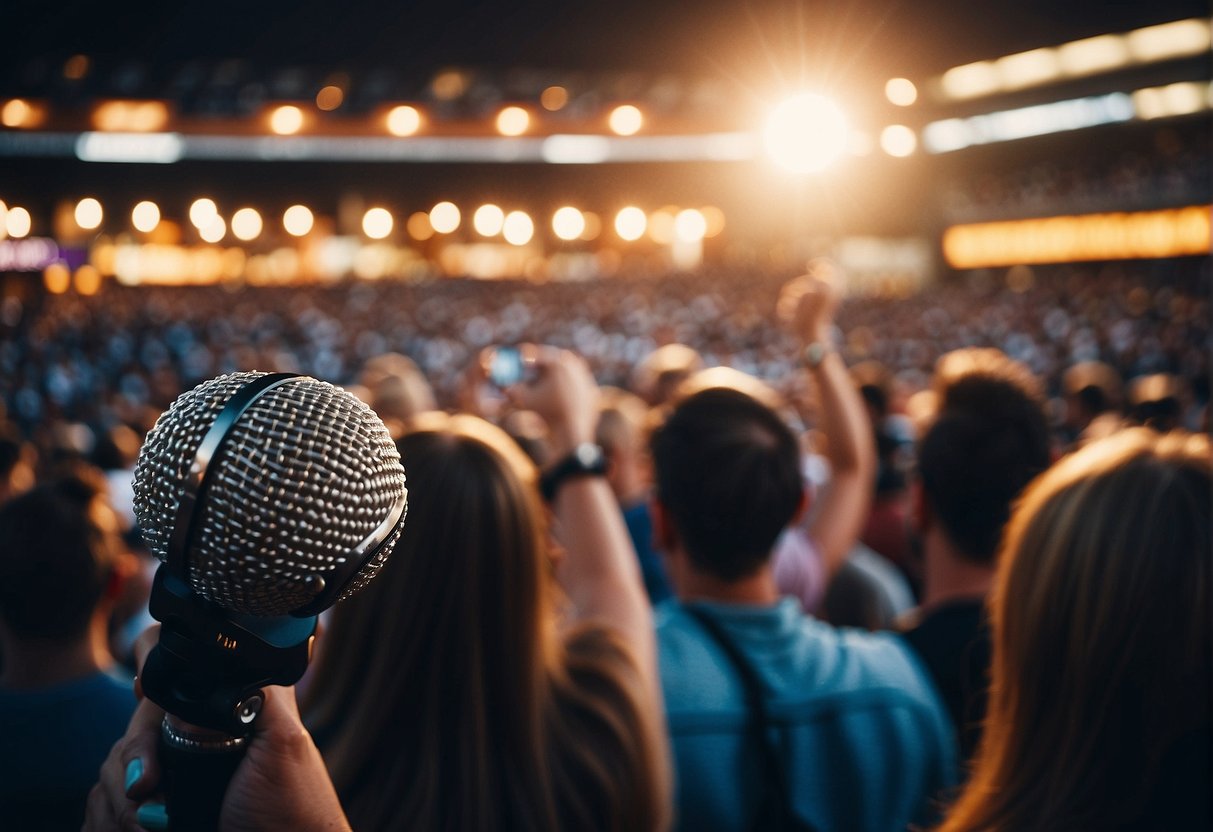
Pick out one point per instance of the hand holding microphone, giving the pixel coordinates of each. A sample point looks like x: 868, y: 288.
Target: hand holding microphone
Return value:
x: 268, y: 498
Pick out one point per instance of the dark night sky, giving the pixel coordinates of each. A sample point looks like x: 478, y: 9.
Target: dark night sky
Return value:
x: 743, y: 40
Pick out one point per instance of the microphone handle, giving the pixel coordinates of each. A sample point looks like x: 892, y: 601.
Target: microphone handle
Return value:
x: 198, y: 764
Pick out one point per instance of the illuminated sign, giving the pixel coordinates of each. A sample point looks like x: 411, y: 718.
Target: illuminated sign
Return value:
x: 1122, y: 236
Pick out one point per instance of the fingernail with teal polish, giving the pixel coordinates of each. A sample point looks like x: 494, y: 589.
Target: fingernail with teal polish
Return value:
x: 134, y: 771
x: 152, y: 817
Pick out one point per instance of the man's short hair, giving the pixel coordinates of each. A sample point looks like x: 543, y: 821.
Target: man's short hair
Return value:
x: 728, y: 473
x: 989, y: 440
x: 57, y: 551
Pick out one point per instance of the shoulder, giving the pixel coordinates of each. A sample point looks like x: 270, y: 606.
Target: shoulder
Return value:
x: 801, y: 658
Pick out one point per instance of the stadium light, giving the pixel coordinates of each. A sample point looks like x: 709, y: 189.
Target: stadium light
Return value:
x: 806, y: 133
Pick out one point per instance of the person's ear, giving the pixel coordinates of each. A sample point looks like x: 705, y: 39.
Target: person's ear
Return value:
x: 665, y: 536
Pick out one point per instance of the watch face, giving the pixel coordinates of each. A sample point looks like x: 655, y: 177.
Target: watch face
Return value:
x: 588, y: 454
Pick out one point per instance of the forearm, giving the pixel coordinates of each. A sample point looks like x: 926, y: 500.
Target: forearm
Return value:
x: 844, y: 421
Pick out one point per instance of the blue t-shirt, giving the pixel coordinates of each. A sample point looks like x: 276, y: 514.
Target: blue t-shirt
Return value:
x: 866, y: 745
x: 52, y: 743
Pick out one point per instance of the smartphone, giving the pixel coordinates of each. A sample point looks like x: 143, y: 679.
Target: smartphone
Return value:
x: 505, y: 367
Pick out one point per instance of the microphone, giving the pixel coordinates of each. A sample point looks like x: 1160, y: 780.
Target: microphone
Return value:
x: 268, y: 498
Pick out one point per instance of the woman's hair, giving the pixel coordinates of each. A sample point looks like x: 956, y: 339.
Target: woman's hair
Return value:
x: 444, y: 697
x: 1099, y: 710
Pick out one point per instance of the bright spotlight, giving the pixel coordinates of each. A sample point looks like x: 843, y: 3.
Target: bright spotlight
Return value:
x: 626, y: 120
x: 201, y: 211
x: 518, y: 228
x: 88, y: 213
x: 286, y: 120
x: 901, y: 91
x: 246, y: 224
x: 513, y: 121
x: 568, y: 223
x: 630, y: 223
x: 377, y: 223
x: 403, y: 120
x: 444, y: 217
x: 145, y: 216
x: 488, y: 220
x: 898, y: 140
x: 298, y: 220
x: 806, y: 133
x: 690, y: 225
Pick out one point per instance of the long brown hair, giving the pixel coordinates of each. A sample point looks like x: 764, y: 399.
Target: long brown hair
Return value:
x: 1100, y: 704
x: 444, y: 697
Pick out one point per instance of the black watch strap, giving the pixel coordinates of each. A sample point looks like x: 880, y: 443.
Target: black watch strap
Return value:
x: 586, y: 460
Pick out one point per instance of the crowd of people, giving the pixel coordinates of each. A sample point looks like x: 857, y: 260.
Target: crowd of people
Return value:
x: 992, y: 483
x: 1172, y: 170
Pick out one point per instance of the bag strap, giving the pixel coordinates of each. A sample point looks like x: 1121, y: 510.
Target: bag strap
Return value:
x: 775, y: 779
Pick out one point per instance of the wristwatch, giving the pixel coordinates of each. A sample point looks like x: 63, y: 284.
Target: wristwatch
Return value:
x: 586, y: 460
x: 816, y: 352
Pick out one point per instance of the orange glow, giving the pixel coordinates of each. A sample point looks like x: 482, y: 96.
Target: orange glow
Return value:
x: 20, y: 113
x: 57, y: 278
x: 1066, y: 239
x: 88, y: 280
x: 76, y: 67
x: 329, y: 98
x: 554, y: 98
x: 419, y: 227
x: 131, y: 116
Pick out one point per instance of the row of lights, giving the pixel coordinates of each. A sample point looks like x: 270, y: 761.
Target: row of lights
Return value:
x: 287, y: 119
x: 516, y: 227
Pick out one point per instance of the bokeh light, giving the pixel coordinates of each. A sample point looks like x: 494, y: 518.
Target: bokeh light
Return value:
x: 403, y: 120
x: 518, y: 228
x: 246, y: 224
x: 18, y: 222
x: 713, y: 218
x: 901, y: 91
x: 554, y: 98
x: 88, y: 280
x: 213, y: 230
x: 806, y: 133
x: 202, y: 210
x: 145, y: 216
x: 18, y: 112
x: 630, y: 223
x: 626, y: 120
x: 298, y: 220
x: 568, y: 223
x: 513, y: 121
x: 898, y: 140
x: 488, y: 220
x: 419, y: 227
x: 444, y: 217
x: 329, y: 98
x: 286, y: 120
x: 56, y: 278
x: 377, y: 223
x: 89, y: 213
x: 690, y: 225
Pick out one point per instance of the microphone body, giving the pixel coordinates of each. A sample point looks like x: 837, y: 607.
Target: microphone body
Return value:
x: 268, y: 498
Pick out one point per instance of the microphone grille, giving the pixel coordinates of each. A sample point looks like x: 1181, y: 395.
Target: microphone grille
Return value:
x: 306, y: 475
